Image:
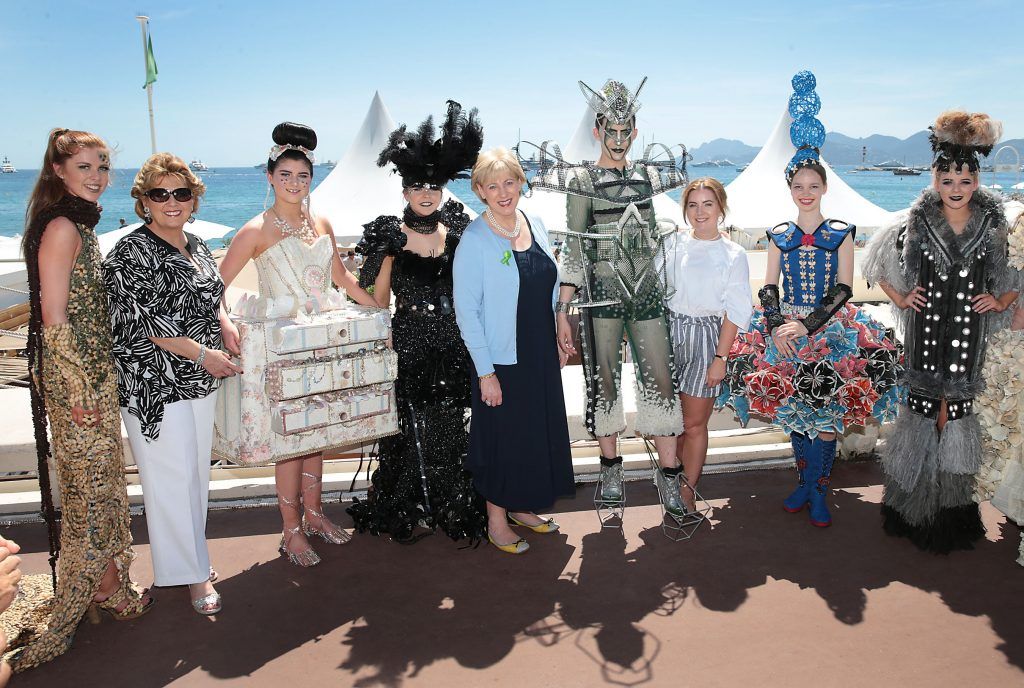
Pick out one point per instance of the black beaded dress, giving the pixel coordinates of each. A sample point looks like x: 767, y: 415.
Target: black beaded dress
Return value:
x: 420, y: 478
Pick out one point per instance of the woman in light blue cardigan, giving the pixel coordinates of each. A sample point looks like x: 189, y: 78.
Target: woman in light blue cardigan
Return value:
x: 506, y: 285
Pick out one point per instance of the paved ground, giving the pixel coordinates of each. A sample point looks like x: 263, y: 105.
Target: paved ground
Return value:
x: 761, y: 598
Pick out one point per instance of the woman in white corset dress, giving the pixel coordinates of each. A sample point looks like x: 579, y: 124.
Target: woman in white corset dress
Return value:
x: 295, y: 254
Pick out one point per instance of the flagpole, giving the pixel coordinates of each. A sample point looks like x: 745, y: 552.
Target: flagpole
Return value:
x: 143, y: 21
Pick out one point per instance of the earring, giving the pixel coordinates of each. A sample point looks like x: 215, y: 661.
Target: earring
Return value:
x: 191, y: 219
x: 147, y: 217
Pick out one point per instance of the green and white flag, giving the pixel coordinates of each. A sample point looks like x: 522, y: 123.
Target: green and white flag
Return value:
x: 151, y: 70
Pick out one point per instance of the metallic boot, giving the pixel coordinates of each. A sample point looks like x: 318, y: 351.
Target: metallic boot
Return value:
x: 668, y: 488
x: 611, y: 479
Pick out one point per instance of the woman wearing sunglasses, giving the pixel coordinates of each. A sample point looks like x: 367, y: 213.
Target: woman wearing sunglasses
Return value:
x: 165, y: 293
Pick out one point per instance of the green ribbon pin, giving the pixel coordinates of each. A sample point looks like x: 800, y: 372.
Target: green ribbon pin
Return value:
x: 505, y: 257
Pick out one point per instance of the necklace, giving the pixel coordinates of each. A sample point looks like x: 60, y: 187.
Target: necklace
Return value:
x: 303, y: 232
x: 501, y: 230
x: 421, y: 224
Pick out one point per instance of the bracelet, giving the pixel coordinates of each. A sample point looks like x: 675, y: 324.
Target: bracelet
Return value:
x: 202, y: 355
x: 562, y: 307
x: 484, y: 377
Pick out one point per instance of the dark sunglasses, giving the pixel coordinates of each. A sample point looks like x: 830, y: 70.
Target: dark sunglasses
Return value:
x: 162, y: 195
x: 425, y: 187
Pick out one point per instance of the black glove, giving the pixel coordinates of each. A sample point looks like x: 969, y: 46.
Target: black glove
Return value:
x: 835, y: 298
x: 769, y: 296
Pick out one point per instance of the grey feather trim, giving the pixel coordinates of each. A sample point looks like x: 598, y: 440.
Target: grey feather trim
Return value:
x: 881, y: 261
x: 934, y: 385
x: 959, y: 449
x: 910, y: 446
x: 935, y: 491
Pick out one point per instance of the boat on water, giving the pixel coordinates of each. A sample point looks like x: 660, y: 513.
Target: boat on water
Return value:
x: 329, y: 164
x: 906, y: 172
x: 742, y: 169
x: 6, y: 167
x: 198, y: 165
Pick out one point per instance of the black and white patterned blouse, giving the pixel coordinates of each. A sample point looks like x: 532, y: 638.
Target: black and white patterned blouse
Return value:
x: 155, y: 291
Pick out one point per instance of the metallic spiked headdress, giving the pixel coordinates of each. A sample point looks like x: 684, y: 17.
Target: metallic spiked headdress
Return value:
x: 614, y: 102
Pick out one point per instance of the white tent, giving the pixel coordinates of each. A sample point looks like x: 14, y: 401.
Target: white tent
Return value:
x: 357, y: 191
x: 759, y: 198
x: 583, y: 146
x: 206, y: 231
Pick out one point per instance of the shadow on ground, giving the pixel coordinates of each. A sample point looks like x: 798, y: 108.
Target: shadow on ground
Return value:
x: 378, y: 613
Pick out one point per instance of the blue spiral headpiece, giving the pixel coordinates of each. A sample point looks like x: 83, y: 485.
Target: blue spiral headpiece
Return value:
x: 806, y: 132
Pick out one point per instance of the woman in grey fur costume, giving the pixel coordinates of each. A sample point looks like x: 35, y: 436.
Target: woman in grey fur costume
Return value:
x: 945, y: 269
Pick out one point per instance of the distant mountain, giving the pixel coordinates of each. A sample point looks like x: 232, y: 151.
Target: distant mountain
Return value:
x: 844, y: 150
x: 722, y: 149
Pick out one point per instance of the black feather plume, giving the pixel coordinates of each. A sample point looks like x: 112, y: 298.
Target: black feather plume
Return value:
x: 419, y: 158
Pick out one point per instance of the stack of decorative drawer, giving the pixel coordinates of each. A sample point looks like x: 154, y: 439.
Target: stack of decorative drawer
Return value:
x: 310, y: 384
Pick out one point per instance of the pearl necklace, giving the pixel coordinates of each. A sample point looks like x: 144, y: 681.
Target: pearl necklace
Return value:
x: 501, y: 230
x: 303, y: 232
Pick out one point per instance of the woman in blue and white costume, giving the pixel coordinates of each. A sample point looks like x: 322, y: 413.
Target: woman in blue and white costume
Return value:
x: 811, y: 362
x: 506, y: 286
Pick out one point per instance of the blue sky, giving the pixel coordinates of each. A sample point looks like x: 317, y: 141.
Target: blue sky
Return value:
x: 230, y: 70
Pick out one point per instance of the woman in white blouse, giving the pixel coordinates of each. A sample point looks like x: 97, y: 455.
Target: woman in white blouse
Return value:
x: 709, y: 302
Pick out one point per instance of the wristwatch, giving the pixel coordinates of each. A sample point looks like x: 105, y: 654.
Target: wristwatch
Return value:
x: 724, y: 358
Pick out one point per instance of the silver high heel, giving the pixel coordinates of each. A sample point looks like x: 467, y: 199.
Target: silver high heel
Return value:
x: 333, y: 534
x: 306, y: 558
x: 208, y: 605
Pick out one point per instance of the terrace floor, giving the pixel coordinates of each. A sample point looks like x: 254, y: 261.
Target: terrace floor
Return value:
x: 758, y: 598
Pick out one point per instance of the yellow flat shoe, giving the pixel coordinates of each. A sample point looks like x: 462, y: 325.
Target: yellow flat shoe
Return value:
x: 517, y: 547
x: 548, y: 526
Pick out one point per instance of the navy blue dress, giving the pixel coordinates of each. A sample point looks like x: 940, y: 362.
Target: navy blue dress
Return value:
x: 519, y: 451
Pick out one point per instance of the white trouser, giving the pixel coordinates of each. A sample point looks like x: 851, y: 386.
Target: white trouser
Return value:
x: 175, y: 473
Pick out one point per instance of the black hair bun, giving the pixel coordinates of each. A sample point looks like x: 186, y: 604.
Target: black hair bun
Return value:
x: 294, y: 134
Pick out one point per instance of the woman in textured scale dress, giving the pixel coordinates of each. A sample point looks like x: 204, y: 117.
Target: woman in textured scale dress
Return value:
x: 74, y: 391
x: 420, y: 481
x: 506, y: 287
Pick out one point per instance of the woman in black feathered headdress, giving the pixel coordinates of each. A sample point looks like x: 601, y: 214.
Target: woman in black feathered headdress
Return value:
x: 420, y: 480
x: 420, y: 159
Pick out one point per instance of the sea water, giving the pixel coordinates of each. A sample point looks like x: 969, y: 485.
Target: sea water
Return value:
x: 235, y: 194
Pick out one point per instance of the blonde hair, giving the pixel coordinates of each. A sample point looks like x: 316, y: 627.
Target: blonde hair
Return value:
x: 161, y: 165
x: 712, y: 185
x: 490, y: 164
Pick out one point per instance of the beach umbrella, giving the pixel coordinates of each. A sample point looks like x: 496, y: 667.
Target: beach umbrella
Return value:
x: 1018, y: 186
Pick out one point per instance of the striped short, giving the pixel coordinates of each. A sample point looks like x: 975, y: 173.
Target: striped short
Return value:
x: 694, y: 342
